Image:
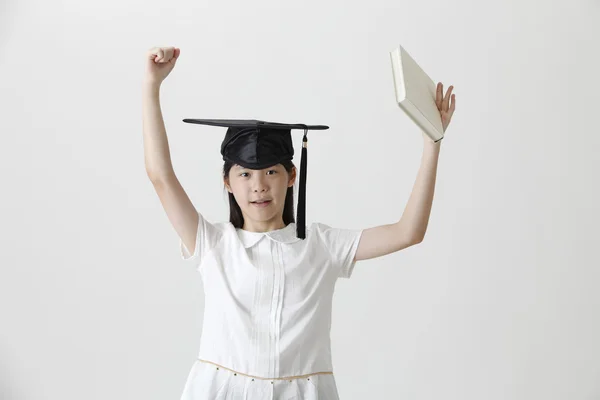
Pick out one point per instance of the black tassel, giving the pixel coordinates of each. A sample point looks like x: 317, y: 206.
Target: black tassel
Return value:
x: 301, y: 223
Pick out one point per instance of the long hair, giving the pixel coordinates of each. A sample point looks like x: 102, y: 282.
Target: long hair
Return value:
x: 235, y: 212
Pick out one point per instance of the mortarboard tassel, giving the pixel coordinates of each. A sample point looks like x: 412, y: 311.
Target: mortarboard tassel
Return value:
x: 301, y: 223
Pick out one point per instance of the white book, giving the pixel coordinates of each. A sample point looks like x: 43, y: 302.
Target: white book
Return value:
x: 415, y: 94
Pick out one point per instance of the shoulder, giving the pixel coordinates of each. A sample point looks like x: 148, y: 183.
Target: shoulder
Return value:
x: 215, y: 230
x: 224, y: 226
x: 318, y: 227
x: 314, y: 232
x: 226, y: 229
x: 322, y: 232
x: 333, y: 236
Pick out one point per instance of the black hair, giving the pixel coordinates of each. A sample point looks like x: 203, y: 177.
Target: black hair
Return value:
x: 235, y: 212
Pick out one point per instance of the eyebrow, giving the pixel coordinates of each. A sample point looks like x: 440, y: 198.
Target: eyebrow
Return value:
x: 237, y: 166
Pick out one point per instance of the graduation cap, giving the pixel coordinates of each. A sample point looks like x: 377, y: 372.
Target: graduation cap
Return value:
x: 260, y: 144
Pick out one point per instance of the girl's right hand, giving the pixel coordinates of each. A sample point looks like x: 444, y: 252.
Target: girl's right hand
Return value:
x: 160, y: 61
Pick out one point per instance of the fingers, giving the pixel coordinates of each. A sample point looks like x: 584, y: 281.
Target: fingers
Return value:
x: 155, y: 53
x: 443, y: 104
x: 163, y: 54
x: 176, y: 53
x: 447, y: 98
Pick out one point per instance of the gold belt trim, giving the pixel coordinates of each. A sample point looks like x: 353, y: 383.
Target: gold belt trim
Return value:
x: 269, y: 379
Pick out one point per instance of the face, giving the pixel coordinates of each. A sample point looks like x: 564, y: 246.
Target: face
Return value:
x: 260, y: 193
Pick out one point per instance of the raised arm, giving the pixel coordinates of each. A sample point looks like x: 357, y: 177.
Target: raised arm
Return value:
x: 411, y: 227
x: 179, y: 209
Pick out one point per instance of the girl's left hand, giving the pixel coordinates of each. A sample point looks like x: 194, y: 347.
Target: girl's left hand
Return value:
x: 443, y: 104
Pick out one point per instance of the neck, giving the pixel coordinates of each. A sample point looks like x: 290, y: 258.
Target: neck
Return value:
x: 263, y: 226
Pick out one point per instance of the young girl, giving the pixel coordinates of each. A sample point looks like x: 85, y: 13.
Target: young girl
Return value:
x: 268, y: 281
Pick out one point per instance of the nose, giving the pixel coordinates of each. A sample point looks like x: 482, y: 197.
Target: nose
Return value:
x: 258, y: 183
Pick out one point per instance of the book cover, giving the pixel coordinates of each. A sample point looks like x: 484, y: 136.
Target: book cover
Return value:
x: 415, y: 94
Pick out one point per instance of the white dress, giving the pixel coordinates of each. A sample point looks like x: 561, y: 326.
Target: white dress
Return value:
x: 267, y: 318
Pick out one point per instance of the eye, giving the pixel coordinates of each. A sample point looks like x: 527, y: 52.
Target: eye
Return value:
x: 242, y: 174
x: 272, y: 170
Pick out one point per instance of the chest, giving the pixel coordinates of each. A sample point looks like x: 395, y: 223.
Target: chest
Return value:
x: 266, y: 272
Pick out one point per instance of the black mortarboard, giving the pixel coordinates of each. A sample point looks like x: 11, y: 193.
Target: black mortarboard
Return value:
x: 259, y: 144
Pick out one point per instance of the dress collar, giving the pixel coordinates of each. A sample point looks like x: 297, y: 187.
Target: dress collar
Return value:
x: 283, y: 235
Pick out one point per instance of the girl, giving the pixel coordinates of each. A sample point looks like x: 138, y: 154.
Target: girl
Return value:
x: 268, y: 281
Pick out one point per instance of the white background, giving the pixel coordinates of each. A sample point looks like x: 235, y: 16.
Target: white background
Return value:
x: 499, y: 302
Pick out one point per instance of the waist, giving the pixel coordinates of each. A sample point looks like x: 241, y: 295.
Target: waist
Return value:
x: 279, y: 378
x: 269, y: 353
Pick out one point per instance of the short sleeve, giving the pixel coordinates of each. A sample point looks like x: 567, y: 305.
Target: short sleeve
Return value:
x: 207, y: 236
x: 342, y: 245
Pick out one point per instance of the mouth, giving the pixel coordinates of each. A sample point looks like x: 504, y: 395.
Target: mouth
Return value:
x: 261, y: 203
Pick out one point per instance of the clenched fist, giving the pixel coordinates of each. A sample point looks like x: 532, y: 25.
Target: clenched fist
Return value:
x: 160, y: 61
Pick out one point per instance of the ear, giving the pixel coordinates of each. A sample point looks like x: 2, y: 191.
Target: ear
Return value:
x: 292, y: 177
x: 226, y: 182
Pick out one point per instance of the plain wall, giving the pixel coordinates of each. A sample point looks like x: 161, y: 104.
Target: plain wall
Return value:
x: 499, y: 301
